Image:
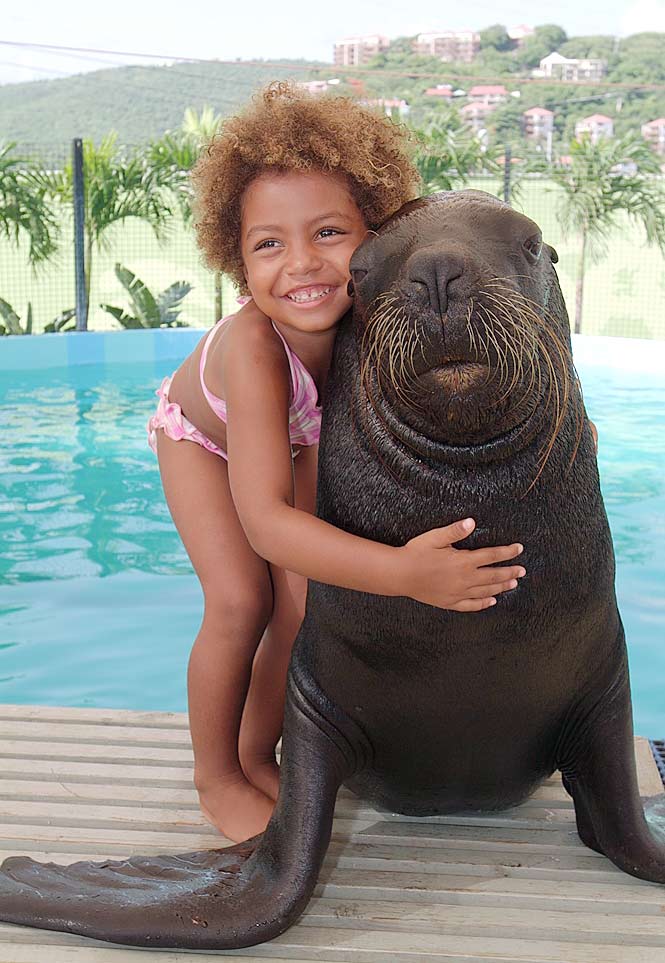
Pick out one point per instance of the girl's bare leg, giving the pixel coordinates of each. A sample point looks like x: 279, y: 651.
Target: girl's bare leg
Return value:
x: 263, y: 715
x: 238, y: 603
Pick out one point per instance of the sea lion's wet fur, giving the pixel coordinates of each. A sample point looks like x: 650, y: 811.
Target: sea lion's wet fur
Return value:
x: 464, y: 402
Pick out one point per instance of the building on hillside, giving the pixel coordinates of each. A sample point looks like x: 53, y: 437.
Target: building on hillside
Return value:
x: 520, y: 33
x: 557, y: 67
x: 447, y: 45
x: 537, y: 123
x: 654, y: 132
x: 489, y: 95
x: 355, y: 51
x: 596, y: 126
x: 391, y: 106
x: 445, y: 91
x: 318, y: 86
x: 476, y: 114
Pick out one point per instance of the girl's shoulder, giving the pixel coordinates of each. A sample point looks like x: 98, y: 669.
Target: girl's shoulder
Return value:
x: 247, y: 341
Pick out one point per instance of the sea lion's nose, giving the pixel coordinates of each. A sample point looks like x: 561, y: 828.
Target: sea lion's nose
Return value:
x: 430, y: 271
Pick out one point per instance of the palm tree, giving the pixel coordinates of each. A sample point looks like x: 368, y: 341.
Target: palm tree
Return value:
x: 174, y: 155
x: 604, y: 180
x: 449, y: 152
x: 24, y: 206
x: 117, y: 186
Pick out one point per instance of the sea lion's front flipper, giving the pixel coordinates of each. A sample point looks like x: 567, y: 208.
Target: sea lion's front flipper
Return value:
x: 598, y: 764
x: 220, y: 899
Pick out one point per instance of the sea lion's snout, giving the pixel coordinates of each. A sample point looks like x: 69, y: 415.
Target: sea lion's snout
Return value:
x: 430, y: 272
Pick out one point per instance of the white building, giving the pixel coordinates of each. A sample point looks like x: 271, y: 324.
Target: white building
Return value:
x: 476, y: 113
x: 489, y: 94
x: 460, y: 45
x: 391, y: 106
x: 654, y: 132
x: 557, y: 67
x: 538, y: 123
x: 596, y: 126
x: 520, y: 33
x: 318, y: 86
x: 355, y: 51
x: 444, y: 91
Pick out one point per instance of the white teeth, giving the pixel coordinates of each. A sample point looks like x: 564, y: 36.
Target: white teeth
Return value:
x: 308, y: 295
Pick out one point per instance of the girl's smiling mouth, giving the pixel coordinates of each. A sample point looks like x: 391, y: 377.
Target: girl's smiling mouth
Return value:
x: 311, y: 294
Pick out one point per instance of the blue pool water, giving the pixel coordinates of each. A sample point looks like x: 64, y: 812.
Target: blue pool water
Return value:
x: 98, y: 605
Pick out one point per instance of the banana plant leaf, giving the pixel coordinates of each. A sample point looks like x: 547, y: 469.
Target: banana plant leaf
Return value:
x: 143, y: 302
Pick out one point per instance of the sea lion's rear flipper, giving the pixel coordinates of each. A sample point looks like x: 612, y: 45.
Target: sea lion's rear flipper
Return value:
x: 598, y: 765
x: 220, y: 899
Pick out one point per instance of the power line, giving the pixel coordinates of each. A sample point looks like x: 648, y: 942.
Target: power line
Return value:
x: 412, y: 74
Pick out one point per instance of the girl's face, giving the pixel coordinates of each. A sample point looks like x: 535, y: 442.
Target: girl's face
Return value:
x: 298, y: 232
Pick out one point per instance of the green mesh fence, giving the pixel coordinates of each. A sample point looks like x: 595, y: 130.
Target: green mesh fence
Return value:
x: 624, y: 287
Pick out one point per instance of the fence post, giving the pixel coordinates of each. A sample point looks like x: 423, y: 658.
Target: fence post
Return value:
x: 79, y: 234
x: 506, y: 174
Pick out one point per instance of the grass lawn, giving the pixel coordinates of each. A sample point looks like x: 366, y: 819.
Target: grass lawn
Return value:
x: 624, y: 290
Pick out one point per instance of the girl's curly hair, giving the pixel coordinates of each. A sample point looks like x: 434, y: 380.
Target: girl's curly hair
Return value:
x: 284, y: 128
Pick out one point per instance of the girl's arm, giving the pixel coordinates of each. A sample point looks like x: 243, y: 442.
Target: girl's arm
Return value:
x: 256, y: 381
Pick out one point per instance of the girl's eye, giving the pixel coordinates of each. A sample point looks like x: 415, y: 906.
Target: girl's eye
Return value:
x: 269, y: 243
x: 329, y: 231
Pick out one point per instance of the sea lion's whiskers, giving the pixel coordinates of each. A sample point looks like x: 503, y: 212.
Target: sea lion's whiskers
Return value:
x: 510, y: 346
x: 483, y: 310
x: 523, y: 312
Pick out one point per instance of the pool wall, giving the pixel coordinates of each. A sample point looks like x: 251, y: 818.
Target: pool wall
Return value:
x: 172, y: 344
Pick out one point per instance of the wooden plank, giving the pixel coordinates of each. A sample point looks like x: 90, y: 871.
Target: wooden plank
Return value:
x: 50, y: 734
x: 339, y: 944
x: 102, y: 717
x: 144, y: 756
x: 648, y: 776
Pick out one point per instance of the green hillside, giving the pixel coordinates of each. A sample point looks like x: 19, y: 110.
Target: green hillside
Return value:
x: 138, y: 102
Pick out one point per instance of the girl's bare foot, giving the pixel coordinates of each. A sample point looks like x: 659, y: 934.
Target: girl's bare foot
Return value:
x: 236, y: 808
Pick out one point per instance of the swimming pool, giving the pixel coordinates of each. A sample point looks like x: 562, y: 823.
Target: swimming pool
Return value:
x: 98, y: 605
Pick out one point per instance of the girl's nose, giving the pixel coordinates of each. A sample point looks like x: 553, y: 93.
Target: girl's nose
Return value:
x: 303, y: 259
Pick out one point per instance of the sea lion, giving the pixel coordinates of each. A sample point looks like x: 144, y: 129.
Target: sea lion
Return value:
x: 452, y: 393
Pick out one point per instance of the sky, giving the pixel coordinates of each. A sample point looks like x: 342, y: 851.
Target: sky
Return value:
x: 268, y: 29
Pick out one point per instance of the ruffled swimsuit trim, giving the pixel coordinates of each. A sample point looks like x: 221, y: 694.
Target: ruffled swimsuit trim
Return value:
x: 304, y: 413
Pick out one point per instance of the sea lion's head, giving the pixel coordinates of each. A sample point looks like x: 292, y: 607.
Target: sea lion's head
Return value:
x: 464, y: 334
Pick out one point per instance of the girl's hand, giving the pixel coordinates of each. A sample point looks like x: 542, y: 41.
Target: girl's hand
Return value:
x: 434, y: 572
x: 594, y: 433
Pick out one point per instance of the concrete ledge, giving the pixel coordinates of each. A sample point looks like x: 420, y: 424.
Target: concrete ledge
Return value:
x: 96, y: 347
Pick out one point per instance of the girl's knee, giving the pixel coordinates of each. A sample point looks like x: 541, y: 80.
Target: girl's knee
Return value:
x: 239, y: 610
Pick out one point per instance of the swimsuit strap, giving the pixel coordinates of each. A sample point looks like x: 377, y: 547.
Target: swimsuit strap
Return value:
x: 218, y: 405
x: 292, y: 358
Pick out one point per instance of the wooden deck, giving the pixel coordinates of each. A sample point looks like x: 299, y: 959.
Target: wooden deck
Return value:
x: 516, y: 886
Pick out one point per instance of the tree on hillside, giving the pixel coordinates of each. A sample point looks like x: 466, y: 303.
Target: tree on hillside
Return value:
x: 598, y: 47
x: 117, y: 186
x: 544, y: 40
x: 604, y: 181
x: 497, y: 37
x: 24, y: 207
x: 641, y: 58
x: 449, y: 152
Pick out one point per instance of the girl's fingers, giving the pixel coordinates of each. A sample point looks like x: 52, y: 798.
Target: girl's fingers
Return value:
x: 473, y: 605
x: 489, y: 556
x: 502, y: 573
x: 485, y: 591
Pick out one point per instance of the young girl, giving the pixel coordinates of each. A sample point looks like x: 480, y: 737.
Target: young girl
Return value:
x: 285, y: 193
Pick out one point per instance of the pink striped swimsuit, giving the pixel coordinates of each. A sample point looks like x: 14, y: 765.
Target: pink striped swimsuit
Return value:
x: 304, y: 413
